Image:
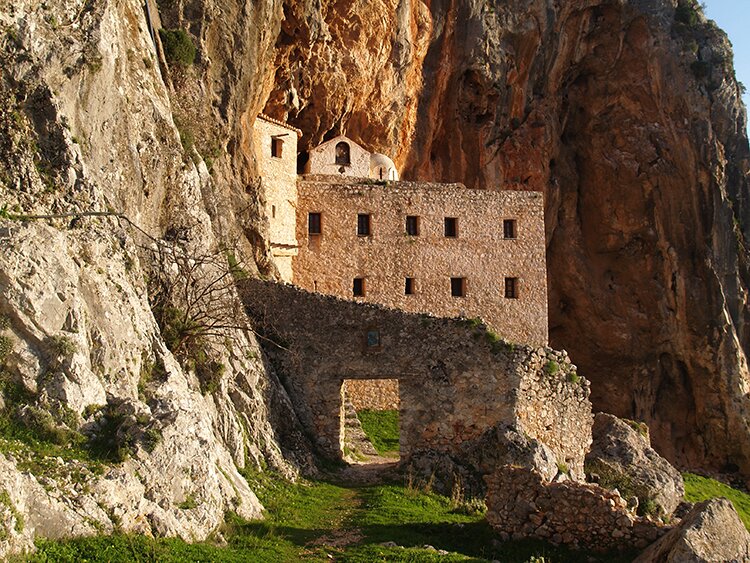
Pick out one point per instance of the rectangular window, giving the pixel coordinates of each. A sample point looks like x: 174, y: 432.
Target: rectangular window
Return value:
x: 509, y: 228
x: 273, y: 212
x: 451, y: 227
x: 458, y: 287
x: 358, y: 288
x: 412, y: 225
x: 511, y: 288
x: 373, y: 338
x: 276, y: 146
x: 314, y: 226
x: 363, y: 225
x: 409, y: 286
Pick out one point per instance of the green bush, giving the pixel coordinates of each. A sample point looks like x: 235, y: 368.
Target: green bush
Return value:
x: 551, y: 367
x: 178, y: 47
x: 6, y: 347
x: 686, y: 12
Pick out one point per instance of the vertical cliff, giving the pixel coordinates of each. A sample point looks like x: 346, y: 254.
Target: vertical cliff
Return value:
x: 133, y: 391
x: 628, y: 116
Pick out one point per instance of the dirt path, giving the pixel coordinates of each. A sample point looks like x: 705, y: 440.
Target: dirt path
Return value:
x: 372, y: 470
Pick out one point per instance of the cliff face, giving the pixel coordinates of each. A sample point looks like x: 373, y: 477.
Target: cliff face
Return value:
x: 148, y: 402
x: 627, y: 115
x: 628, y: 121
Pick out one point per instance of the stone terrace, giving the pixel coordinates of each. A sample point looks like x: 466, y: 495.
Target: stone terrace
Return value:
x: 457, y: 381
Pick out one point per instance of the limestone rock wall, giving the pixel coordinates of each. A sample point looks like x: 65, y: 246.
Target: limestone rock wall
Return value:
x: 629, y: 121
x: 93, y: 121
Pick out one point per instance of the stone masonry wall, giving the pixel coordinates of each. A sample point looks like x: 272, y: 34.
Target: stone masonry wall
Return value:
x: 553, y: 401
x: 280, y: 185
x: 456, y: 379
x: 373, y: 394
x: 521, y: 505
x: 329, y: 262
x: 323, y: 159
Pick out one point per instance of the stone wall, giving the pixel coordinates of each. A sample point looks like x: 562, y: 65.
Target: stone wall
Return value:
x: 280, y: 185
x: 552, y: 401
x: 373, y: 394
x: 323, y: 160
x: 521, y: 505
x: 457, y: 381
x: 329, y: 262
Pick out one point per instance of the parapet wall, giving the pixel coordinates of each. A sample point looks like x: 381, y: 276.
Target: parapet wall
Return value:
x: 480, y: 254
x: 456, y: 380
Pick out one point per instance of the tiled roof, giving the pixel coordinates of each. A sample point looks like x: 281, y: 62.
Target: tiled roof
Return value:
x: 264, y: 117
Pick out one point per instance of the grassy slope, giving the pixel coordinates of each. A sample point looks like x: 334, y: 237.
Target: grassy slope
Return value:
x: 700, y: 488
x: 317, y: 521
x: 381, y: 428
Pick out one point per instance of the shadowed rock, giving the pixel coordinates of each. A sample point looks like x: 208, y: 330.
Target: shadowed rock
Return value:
x: 712, y: 531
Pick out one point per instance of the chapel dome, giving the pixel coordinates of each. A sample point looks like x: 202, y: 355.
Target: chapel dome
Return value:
x: 382, y: 167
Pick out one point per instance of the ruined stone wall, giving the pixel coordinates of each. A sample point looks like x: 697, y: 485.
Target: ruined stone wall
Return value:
x: 553, y: 401
x: 329, y: 262
x: 280, y: 185
x: 323, y: 159
x: 374, y: 394
x: 456, y: 379
x: 521, y: 505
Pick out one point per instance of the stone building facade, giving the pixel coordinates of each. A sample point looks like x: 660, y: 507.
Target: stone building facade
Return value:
x: 339, y: 157
x: 277, y: 143
x: 433, y: 248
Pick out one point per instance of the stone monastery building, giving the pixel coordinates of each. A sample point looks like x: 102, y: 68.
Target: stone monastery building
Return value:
x: 348, y: 227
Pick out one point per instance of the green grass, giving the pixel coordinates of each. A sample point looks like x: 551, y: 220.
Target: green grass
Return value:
x: 381, y: 427
x: 699, y: 488
x: 318, y: 521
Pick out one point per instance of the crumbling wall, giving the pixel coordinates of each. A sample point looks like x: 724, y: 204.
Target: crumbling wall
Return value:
x: 457, y: 381
x: 521, y: 505
x: 553, y: 402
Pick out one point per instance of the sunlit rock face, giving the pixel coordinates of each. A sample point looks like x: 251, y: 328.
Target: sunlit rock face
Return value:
x: 627, y: 118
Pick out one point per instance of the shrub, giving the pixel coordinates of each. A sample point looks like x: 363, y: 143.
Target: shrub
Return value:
x: 573, y: 377
x: 178, y: 46
x: 551, y: 367
x: 6, y: 347
x: 686, y: 13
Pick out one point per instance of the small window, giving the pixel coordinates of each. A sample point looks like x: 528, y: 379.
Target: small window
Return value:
x: 409, y: 286
x: 358, y: 289
x: 273, y: 212
x: 363, y: 225
x: 509, y: 228
x: 373, y: 338
x: 276, y: 147
x: 511, y: 288
x: 313, y: 224
x: 343, y: 154
x: 451, y: 227
x: 412, y: 225
x: 458, y: 287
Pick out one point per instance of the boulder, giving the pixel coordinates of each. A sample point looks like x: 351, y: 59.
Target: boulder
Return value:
x: 499, y: 446
x: 621, y: 457
x: 712, y: 531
